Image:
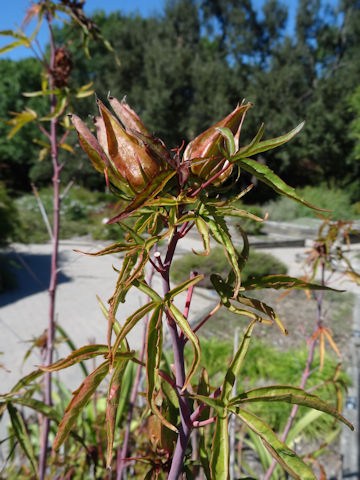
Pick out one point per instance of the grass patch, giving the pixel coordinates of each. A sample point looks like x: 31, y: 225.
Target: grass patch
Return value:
x: 265, y: 365
x: 338, y: 200
x: 258, y: 265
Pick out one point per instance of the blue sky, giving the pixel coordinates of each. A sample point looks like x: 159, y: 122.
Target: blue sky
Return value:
x: 13, y: 12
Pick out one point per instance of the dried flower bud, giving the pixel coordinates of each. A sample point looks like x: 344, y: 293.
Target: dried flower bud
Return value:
x: 126, y: 156
x: 63, y: 65
x: 207, y: 145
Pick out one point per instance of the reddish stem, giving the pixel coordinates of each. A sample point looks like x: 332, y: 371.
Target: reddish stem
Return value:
x: 48, y: 357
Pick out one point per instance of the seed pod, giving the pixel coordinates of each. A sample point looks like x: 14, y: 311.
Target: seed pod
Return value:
x: 206, y: 147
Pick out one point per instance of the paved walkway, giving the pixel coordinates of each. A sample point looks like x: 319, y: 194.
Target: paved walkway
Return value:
x: 23, y: 312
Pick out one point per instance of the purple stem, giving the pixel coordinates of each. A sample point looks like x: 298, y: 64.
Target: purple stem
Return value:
x: 48, y: 357
x: 306, y: 373
x: 178, y: 349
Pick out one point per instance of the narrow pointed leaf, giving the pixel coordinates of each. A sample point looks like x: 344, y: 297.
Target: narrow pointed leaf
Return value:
x: 145, y: 288
x: 22, y: 436
x: 283, y: 281
x: 112, y: 403
x: 266, y: 175
x: 153, y: 358
x: 114, y: 248
x: 12, y: 45
x: 130, y: 323
x: 254, y: 142
x: 260, y: 147
x: 83, y: 353
x: 233, y: 370
x: 185, y: 327
x: 284, y: 455
x: 204, y: 232
x: 45, y: 410
x: 182, y: 287
x: 289, y: 394
x: 204, y: 455
x: 221, y: 234
x: 304, y: 421
x: 81, y: 396
x: 229, y: 139
x: 58, y: 110
x: 264, y: 308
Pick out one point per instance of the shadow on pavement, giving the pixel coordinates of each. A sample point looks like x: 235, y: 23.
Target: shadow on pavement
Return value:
x: 32, y: 274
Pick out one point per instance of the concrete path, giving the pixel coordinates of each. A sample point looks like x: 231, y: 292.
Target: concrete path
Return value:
x: 24, y: 311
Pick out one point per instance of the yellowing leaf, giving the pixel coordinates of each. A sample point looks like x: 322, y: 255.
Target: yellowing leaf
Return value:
x: 20, y: 119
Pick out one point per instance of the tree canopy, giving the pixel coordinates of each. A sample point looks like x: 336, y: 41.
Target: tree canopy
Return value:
x: 192, y: 64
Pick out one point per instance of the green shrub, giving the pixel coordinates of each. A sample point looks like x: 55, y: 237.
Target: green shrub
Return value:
x: 8, y: 216
x: 339, y: 200
x: 82, y: 213
x: 258, y: 265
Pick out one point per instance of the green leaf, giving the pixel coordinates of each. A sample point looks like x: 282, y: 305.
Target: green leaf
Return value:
x: 221, y: 234
x: 266, y: 175
x: 83, y: 353
x: 203, y: 454
x: 229, y: 139
x: 289, y: 394
x: 226, y: 292
x: 307, y: 419
x: 61, y: 104
x: 25, y: 381
x: 20, y: 119
x: 254, y: 142
x: 185, y: 327
x: 216, y: 403
x: 45, y: 410
x: 286, y: 457
x: 130, y: 323
x: 259, y: 147
x: 283, y: 281
x: 153, y: 358
x: 13, y: 45
x: 12, y: 33
x: 112, y: 403
x: 41, y: 93
x: 219, y: 464
x: 182, y: 287
x: 145, y: 288
x: 257, y: 445
x: 81, y: 396
x: 114, y: 248
x: 233, y: 370
x: 264, y: 308
x: 22, y: 436
x: 204, y: 233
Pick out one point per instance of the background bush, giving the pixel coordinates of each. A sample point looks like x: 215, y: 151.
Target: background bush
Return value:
x: 258, y: 265
x: 82, y: 213
x: 339, y: 200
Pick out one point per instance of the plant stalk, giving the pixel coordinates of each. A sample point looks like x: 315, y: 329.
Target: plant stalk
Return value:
x: 48, y: 357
